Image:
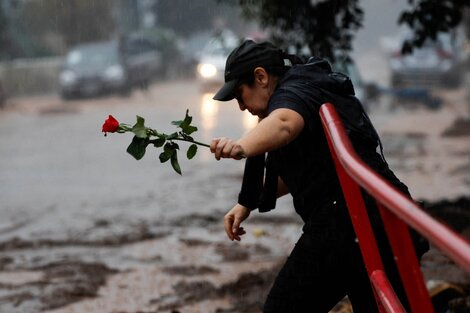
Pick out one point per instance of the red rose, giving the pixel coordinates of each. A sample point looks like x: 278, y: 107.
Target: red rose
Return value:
x: 111, y: 125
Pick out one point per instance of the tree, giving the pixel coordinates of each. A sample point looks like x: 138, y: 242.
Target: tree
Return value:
x: 329, y: 26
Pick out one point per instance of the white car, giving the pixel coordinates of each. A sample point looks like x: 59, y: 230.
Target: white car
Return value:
x: 211, y: 65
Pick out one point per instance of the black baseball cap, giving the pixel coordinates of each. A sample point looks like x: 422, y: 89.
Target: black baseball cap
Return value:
x: 243, y: 60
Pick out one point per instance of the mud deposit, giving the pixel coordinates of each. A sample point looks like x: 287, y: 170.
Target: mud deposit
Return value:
x: 59, y: 284
x: 202, y: 273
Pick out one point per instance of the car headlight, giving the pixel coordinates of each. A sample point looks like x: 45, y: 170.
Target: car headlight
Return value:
x: 114, y: 72
x: 67, y: 77
x: 207, y: 70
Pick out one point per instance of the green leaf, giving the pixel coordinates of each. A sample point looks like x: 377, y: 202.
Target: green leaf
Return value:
x: 187, y: 137
x: 177, y: 123
x: 191, y: 151
x: 168, y: 151
x: 185, y: 124
x: 139, y: 128
x: 137, y: 147
x: 164, y: 157
x: 169, y: 146
x: 172, y: 136
x: 189, y: 129
x: 174, y: 163
x: 159, y: 142
x: 187, y: 120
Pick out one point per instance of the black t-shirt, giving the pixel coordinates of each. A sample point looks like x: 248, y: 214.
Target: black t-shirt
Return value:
x: 305, y: 164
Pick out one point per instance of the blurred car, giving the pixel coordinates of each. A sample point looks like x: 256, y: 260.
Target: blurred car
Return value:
x: 211, y: 65
x: 112, y: 66
x: 167, y: 42
x: 143, y: 59
x: 191, y: 50
x: 436, y: 63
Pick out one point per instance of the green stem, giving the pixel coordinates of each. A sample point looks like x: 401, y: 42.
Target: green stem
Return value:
x: 187, y: 140
x: 193, y: 141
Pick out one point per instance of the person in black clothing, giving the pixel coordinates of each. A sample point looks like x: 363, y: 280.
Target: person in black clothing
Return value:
x: 286, y: 95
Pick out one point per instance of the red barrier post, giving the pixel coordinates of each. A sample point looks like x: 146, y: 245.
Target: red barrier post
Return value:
x: 363, y: 229
x: 382, y: 288
x: 407, y: 262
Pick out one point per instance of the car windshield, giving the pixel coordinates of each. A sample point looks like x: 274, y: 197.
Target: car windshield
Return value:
x: 92, y: 56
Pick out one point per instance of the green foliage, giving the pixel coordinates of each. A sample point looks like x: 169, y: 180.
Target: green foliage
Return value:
x: 143, y: 136
x: 192, y: 150
x: 185, y: 125
x: 137, y: 147
x: 139, y: 128
x: 175, y: 164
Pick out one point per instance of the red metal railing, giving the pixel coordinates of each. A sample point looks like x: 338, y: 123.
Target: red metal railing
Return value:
x: 397, y: 211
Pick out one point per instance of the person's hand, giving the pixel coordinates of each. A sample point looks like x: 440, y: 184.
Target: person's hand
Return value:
x: 227, y: 148
x: 233, y: 219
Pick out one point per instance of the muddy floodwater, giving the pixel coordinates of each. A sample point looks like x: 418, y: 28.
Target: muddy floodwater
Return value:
x: 86, y: 228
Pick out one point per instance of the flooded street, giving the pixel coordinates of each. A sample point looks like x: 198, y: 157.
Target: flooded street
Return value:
x: 77, y: 208
x: 87, y: 228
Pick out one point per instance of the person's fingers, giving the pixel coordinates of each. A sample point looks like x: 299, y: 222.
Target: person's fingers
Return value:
x: 228, y: 225
x: 215, y: 147
x: 240, y: 232
x: 227, y: 150
x: 220, y: 147
x: 213, y: 144
x: 236, y: 224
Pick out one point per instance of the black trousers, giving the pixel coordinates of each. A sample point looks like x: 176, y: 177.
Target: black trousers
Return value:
x: 326, y: 265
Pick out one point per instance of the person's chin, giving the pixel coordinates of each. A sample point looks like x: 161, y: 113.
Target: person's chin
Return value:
x: 260, y: 114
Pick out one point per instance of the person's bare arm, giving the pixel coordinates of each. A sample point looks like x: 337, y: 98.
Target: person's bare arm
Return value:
x: 276, y: 130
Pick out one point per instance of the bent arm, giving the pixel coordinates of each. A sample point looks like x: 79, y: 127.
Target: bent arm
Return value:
x: 275, y: 131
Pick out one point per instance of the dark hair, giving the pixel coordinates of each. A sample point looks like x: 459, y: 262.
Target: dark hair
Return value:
x: 249, y: 79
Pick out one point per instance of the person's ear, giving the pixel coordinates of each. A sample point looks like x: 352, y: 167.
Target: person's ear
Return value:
x: 261, y: 76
